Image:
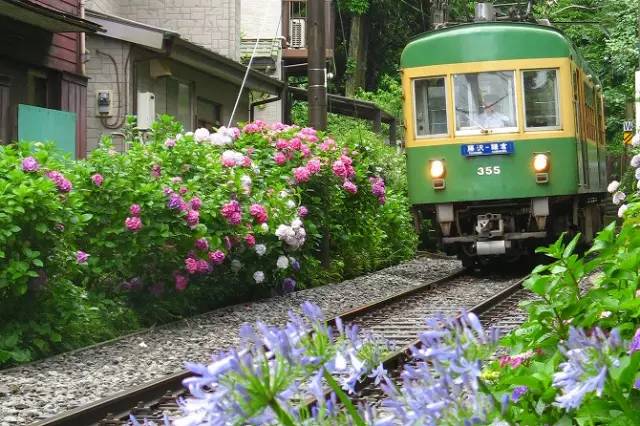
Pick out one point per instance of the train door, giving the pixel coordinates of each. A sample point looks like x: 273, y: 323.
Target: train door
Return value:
x: 583, y: 171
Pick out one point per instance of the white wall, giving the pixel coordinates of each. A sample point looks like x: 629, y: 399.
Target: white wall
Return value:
x: 260, y: 18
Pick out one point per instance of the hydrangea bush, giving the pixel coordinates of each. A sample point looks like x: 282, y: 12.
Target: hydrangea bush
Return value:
x: 183, y: 222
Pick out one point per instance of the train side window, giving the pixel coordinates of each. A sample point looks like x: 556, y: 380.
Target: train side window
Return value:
x: 430, y: 107
x: 541, y: 99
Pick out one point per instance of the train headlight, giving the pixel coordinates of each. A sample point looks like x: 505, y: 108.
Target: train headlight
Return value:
x: 437, y: 169
x: 541, y: 163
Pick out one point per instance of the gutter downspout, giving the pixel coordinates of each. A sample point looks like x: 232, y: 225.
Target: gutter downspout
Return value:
x: 83, y: 50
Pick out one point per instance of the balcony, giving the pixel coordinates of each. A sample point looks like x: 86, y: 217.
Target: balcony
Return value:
x: 294, y: 15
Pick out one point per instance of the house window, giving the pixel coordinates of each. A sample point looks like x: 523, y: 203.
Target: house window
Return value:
x: 179, y: 102
x: 430, y: 107
x: 209, y: 114
x: 37, y: 89
x: 541, y: 102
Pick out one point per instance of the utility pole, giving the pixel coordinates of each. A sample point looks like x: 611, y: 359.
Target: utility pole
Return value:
x: 317, y: 71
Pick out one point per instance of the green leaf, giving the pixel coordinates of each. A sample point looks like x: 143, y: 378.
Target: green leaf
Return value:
x: 38, y: 263
x: 568, y: 251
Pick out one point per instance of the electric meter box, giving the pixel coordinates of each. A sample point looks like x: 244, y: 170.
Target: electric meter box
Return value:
x: 146, y: 110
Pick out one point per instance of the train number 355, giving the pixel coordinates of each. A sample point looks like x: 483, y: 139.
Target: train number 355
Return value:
x: 489, y: 170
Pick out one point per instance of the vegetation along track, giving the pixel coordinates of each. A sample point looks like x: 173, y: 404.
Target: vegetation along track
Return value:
x: 398, y: 318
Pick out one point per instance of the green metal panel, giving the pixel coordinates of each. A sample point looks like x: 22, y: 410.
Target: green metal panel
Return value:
x: 516, y: 180
x: 48, y: 125
x: 488, y: 42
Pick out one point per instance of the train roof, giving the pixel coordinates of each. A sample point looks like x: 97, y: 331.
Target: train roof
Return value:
x: 489, y: 41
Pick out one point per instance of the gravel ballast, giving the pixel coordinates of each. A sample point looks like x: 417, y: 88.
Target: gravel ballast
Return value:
x: 44, y: 388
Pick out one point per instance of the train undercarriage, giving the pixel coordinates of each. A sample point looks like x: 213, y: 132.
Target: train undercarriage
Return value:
x: 483, y: 232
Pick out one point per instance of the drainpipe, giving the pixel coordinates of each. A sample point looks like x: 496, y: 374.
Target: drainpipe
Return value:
x: 83, y: 50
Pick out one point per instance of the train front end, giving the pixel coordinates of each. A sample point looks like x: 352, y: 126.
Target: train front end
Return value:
x: 493, y: 155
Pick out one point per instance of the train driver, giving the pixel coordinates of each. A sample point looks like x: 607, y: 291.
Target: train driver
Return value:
x: 490, y: 118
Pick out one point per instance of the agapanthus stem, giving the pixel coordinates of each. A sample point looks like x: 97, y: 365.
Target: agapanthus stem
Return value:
x: 355, y: 416
x: 283, y: 417
x: 485, y: 389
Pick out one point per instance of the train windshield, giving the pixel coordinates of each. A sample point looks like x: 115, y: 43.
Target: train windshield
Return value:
x: 430, y: 107
x: 484, y: 102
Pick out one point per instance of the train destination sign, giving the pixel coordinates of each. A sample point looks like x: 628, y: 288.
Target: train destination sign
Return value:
x: 493, y: 148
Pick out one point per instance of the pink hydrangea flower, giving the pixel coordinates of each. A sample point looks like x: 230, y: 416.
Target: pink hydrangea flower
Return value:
x: 303, y: 211
x: 295, y: 143
x: 343, y: 168
x: 176, y: 180
x: 259, y: 213
x: 350, y: 186
x: 133, y: 224
x: 377, y: 186
x: 63, y: 184
x: 196, y: 203
x: 30, y: 165
x: 328, y: 145
x: 246, y: 161
x: 81, y: 257
x: 192, y: 218
x: 170, y: 143
x: 181, y: 282
x: 202, y: 244
x: 250, y: 240
x: 217, y: 257
x: 183, y: 190
x: 203, y: 267
x: 314, y: 166
x: 156, y: 170
x: 255, y: 127
x: 282, y: 144
x: 232, y: 212
x: 301, y: 174
x: 305, y: 150
x: 97, y: 179
x: 191, y: 265
x: 135, y: 209
x: 279, y: 158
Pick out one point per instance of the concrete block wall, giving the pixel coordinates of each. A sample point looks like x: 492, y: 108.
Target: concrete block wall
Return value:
x: 214, y: 24
x: 102, y: 76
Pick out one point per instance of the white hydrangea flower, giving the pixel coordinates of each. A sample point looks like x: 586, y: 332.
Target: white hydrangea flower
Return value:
x: 619, y: 197
x: 236, y: 265
x: 283, y: 262
x: 284, y: 193
x: 636, y: 139
x: 232, y: 156
x: 258, y: 276
x: 605, y: 314
x: 638, y: 174
x: 260, y: 249
x: 297, y: 223
x: 264, y: 227
x: 294, y: 237
x: 245, y: 180
x: 220, y: 138
x: 179, y: 136
x: 291, y: 204
x: 201, y: 134
x: 635, y: 161
x: 613, y: 186
x: 623, y: 208
x: 188, y: 134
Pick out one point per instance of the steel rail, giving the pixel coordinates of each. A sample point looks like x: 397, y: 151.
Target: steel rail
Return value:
x: 118, y: 405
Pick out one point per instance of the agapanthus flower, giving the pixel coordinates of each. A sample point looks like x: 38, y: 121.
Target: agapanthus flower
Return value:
x: 181, y: 282
x: 250, y: 240
x: 517, y: 393
x: 135, y: 209
x: 191, y: 265
x: 260, y: 249
x: 350, y: 187
x: 192, y: 218
x: 133, y: 224
x: 97, y: 179
x: 30, y: 165
x: 201, y: 135
x: 635, y: 342
x: 282, y: 262
x: 259, y: 213
x: 301, y: 174
x: 202, y: 244
x: 613, y: 186
x: 288, y: 285
x: 82, y: 257
x: 217, y: 257
x: 258, y: 277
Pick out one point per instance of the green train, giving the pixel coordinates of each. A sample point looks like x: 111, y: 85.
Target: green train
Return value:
x: 505, y: 138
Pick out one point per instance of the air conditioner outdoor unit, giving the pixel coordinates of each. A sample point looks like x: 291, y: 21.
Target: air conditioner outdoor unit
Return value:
x: 146, y: 110
x: 298, y: 33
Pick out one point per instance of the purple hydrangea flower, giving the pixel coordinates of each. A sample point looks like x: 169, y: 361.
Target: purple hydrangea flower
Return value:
x: 97, y: 179
x: 289, y: 284
x: 30, y: 165
x: 81, y: 257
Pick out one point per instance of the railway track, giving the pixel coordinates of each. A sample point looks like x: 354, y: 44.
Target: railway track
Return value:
x: 398, y: 318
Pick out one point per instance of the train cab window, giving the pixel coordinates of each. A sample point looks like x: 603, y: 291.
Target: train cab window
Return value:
x: 485, y: 102
x: 430, y: 107
x: 541, y: 103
